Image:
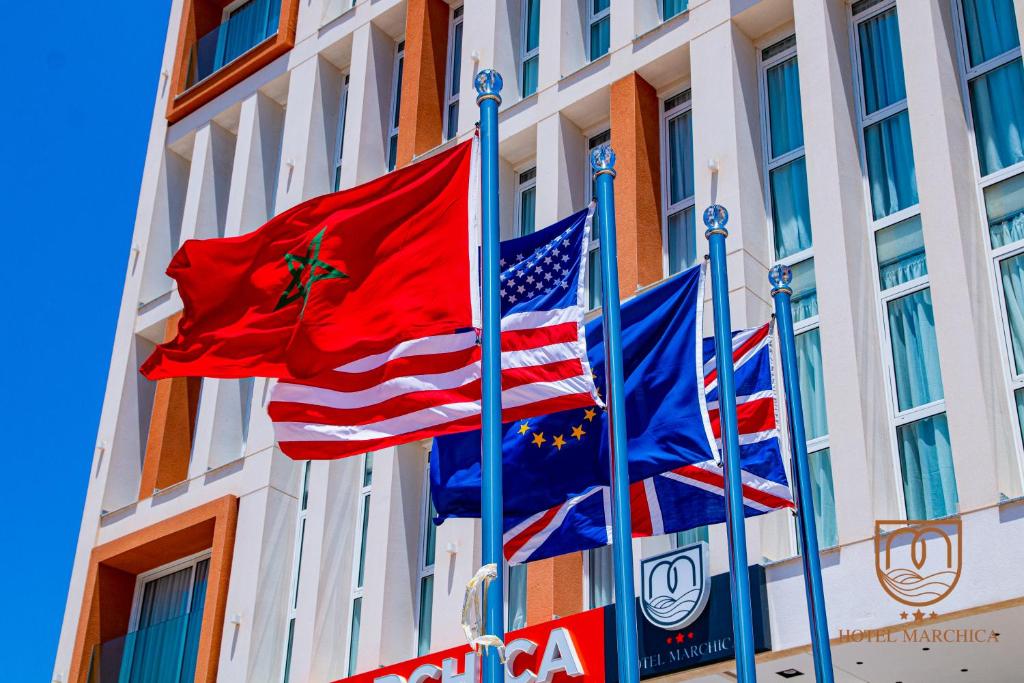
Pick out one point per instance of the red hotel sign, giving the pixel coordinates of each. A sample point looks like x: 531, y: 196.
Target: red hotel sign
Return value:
x: 568, y: 650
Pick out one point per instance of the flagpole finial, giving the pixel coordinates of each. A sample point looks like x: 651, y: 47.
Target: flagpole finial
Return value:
x: 780, y: 276
x: 488, y: 84
x: 715, y: 218
x: 602, y: 160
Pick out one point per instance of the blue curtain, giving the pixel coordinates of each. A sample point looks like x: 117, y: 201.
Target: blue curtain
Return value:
x: 680, y: 157
x: 785, y: 118
x: 246, y: 27
x: 991, y: 28
x: 154, y: 653
x: 804, y: 301
x: 791, y: 210
x: 516, y: 596
x: 600, y: 35
x: 195, y: 621
x: 1004, y: 206
x: 881, y: 61
x: 823, y: 496
x: 532, y: 24
x: 527, y: 211
x: 670, y: 8
x: 929, y: 483
x: 915, y: 354
x: 1011, y: 271
x: 812, y: 386
x: 1018, y: 397
x: 997, y: 102
x: 682, y: 240
x: 890, y: 157
x: 530, y: 76
x: 901, y: 256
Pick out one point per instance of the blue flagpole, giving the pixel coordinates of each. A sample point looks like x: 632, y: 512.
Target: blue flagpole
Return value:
x: 715, y: 218
x: 488, y: 84
x: 780, y: 277
x: 602, y: 160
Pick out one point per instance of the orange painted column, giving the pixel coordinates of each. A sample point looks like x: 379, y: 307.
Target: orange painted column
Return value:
x: 636, y: 138
x: 554, y: 588
x: 171, y: 428
x: 421, y: 117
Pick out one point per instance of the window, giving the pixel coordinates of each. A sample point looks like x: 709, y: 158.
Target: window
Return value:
x: 428, y: 548
x: 293, y: 590
x: 593, y: 284
x: 396, y: 106
x: 599, y: 577
x: 163, y: 641
x: 531, y: 47
x: 915, y: 387
x: 244, y: 25
x: 516, y: 600
x: 245, y: 387
x: 600, y: 22
x: 790, y: 229
x: 359, y: 570
x: 526, y: 201
x: 451, y: 114
x: 690, y: 536
x: 680, y: 222
x: 670, y: 8
x: 339, y: 140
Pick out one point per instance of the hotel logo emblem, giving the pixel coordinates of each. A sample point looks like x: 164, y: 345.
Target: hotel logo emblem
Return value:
x: 675, y: 586
x: 918, y: 562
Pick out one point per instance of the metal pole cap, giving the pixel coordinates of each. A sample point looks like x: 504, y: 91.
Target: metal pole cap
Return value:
x: 715, y: 218
x: 488, y: 84
x: 602, y: 160
x: 780, y: 276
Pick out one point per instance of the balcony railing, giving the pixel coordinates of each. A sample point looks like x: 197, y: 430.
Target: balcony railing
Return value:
x: 245, y: 27
x: 161, y: 653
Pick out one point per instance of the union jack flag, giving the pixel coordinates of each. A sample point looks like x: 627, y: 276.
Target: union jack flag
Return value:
x: 686, y: 497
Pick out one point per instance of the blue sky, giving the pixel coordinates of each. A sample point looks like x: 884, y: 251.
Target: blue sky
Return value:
x: 79, y: 86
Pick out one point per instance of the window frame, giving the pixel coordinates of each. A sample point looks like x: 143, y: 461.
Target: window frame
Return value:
x: 588, y: 558
x: 521, y: 188
x: 339, y: 134
x: 594, y: 18
x: 422, y: 569
x: 394, y: 111
x: 455, y: 19
x: 897, y: 418
x: 667, y: 208
x: 159, y: 572
x: 525, y: 53
x: 356, y: 591
x: 293, y: 584
x: 595, y: 232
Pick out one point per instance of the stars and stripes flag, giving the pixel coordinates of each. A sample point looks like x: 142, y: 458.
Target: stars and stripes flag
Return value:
x: 432, y: 386
x: 688, y: 496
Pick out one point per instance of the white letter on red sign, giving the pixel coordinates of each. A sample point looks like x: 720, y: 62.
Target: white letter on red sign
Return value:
x: 423, y: 673
x: 513, y: 650
x: 450, y: 672
x: 559, y: 655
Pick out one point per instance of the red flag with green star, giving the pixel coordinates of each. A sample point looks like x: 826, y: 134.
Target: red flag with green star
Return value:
x: 333, y: 280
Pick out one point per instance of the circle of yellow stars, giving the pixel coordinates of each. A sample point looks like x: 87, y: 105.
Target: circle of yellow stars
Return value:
x: 538, y: 439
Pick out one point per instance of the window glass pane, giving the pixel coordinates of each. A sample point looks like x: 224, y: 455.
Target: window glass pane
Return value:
x: 1004, y: 204
x: 398, y: 92
x: 680, y: 157
x: 516, y: 596
x: 804, y: 301
x: 245, y: 387
x: 991, y: 28
x: 784, y: 116
x: 456, y: 66
x: 288, y: 651
x: 530, y: 67
x: 453, y: 121
x: 1011, y: 273
x: 823, y: 496
x: 527, y: 210
x: 691, y: 536
x: 194, y: 625
x: 298, y: 568
x: 600, y: 5
x: 900, y: 250
x: 367, y: 469
x: 353, y: 639
x: 532, y: 32
x: 594, y: 279
x: 430, y: 533
x: 881, y: 61
x: 791, y: 210
x: 306, y: 467
x: 1018, y: 397
x: 890, y: 158
x: 682, y: 240
x: 914, y: 352
x: 599, y: 37
x: 601, y: 579
x: 929, y: 484
x: 425, y: 615
x: 670, y: 8
x: 361, y: 570
x: 812, y: 387
x: 997, y: 103
x: 248, y: 25
x: 393, y: 152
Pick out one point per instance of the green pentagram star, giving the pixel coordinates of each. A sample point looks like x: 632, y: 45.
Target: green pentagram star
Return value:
x: 309, y: 266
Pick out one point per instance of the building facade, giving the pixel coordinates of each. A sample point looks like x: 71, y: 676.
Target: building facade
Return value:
x: 876, y: 146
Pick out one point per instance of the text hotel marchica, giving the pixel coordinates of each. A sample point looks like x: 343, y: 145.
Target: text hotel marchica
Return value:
x: 877, y: 147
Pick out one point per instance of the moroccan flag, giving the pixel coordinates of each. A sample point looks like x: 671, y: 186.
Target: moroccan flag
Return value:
x: 334, y: 280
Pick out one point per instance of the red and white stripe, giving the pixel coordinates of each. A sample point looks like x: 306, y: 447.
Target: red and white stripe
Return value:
x: 432, y: 386
x: 744, y: 346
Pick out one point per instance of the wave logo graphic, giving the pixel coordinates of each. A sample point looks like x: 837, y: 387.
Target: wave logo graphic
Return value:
x: 918, y: 562
x: 675, y: 586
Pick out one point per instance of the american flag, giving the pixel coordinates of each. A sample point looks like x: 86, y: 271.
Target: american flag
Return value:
x: 688, y: 496
x: 431, y: 386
